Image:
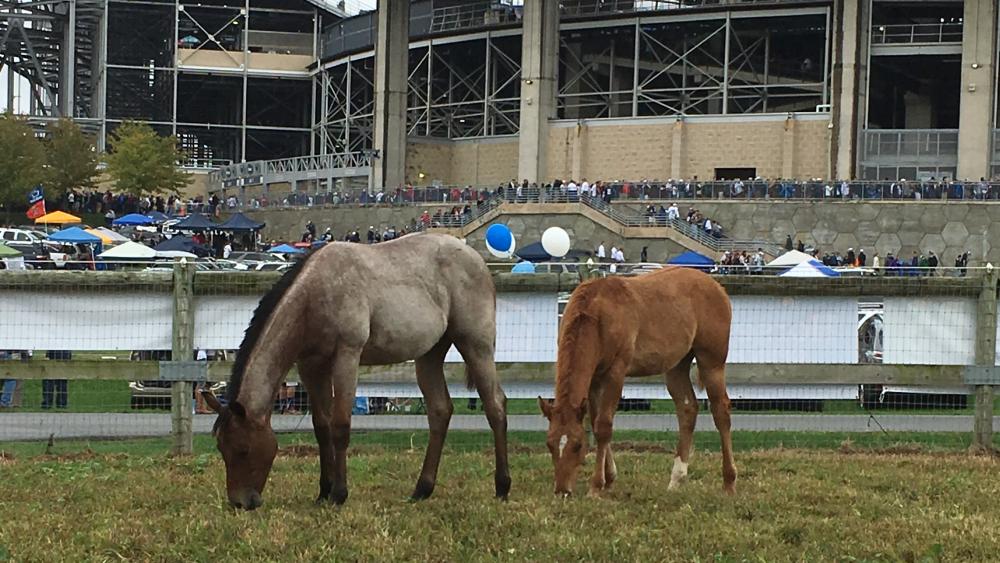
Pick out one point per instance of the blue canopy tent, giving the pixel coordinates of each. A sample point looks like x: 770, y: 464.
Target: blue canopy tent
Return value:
x: 195, y: 222
x: 286, y: 249
x: 182, y: 244
x: 535, y: 253
x: 240, y: 222
x: 133, y: 219
x: 811, y: 269
x: 158, y: 217
x: 692, y: 259
x: 76, y: 235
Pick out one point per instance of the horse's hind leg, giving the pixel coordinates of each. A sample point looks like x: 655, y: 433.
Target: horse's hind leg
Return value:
x: 713, y: 376
x: 430, y: 378
x: 602, y: 423
x: 686, y: 405
x: 482, y: 372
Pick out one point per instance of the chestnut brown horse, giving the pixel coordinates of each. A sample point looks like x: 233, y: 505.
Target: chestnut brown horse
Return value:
x: 348, y: 305
x: 615, y: 328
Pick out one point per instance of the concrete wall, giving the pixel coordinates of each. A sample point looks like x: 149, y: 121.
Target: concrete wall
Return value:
x: 289, y: 224
x: 901, y: 228
x: 634, y: 149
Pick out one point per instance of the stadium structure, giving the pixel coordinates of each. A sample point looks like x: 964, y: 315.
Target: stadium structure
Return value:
x: 261, y: 92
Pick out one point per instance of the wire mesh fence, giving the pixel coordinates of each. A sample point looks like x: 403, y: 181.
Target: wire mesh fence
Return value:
x: 83, y: 354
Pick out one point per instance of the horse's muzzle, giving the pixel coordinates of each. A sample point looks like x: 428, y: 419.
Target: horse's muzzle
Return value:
x: 247, y: 500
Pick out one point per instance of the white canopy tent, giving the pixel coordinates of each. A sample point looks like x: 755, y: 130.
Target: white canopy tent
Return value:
x: 789, y: 259
x: 129, y: 251
x: 811, y: 269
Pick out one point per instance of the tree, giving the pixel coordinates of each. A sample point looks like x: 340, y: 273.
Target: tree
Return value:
x: 22, y: 161
x: 72, y: 160
x: 144, y: 163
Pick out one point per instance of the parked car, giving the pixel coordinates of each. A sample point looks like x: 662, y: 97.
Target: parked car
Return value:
x: 34, y: 245
x: 155, y: 394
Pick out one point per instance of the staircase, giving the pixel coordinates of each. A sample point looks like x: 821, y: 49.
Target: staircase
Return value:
x: 627, y: 225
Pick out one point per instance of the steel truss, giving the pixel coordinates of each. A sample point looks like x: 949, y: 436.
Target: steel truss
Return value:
x: 469, y: 86
x: 456, y: 90
x: 54, y: 46
x: 700, y: 67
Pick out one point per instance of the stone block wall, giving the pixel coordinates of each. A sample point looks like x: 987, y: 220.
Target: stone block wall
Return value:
x: 655, y: 149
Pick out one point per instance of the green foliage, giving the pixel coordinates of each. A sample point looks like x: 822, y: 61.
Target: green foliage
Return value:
x: 22, y: 160
x: 144, y: 163
x: 72, y: 160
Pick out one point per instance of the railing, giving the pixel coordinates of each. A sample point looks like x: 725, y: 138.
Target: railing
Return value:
x: 475, y: 14
x: 583, y: 8
x: 256, y: 171
x: 903, y: 34
x: 887, y: 147
x: 648, y: 193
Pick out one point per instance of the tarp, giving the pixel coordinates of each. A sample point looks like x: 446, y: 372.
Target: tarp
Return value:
x: 523, y: 268
x: 157, y: 217
x: 240, y: 222
x: 535, y: 253
x: 129, y: 251
x: 692, y: 259
x: 811, y: 269
x: 104, y: 238
x: 133, y: 219
x: 57, y: 218
x: 790, y: 258
x: 114, y: 236
x: 286, y: 249
x: 8, y: 252
x: 74, y: 235
x: 184, y: 244
x: 195, y: 222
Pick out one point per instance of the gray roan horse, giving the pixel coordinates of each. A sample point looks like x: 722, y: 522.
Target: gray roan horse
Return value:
x: 348, y: 305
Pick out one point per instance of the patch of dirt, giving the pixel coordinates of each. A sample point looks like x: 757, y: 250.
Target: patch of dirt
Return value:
x: 85, y: 455
x: 299, y: 450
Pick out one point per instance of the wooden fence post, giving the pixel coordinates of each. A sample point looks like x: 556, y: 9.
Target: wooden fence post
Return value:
x: 182, y: 349
x: 986, y: 350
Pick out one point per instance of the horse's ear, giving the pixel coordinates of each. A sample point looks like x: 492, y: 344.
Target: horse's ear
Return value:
x: 213, y: 403
x: 581, y: 411
x: 237, y: 409
x: 546, y: 407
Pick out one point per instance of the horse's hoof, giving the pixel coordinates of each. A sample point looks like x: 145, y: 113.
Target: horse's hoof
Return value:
x: 338, y: 497
x: 503, y: 487
x: 729, y: 489
x: 423, y: 490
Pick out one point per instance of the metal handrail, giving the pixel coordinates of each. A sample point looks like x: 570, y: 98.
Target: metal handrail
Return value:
x: 906, y: 34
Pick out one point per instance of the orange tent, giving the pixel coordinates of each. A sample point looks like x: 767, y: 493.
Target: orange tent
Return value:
x: 57, y: 218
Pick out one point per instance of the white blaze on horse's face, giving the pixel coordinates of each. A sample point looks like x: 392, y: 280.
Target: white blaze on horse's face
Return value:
x: 562, y: 444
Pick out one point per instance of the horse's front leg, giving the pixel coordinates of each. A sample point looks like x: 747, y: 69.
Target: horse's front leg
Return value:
x: 317, y: 378
x: 345, y: 383
x: 601, y: 423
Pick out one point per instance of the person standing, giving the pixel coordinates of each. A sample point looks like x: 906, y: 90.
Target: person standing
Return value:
x: 643, y: 254
x: 600, y: 252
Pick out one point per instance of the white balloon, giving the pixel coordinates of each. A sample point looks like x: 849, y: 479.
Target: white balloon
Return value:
x: 555, y: 241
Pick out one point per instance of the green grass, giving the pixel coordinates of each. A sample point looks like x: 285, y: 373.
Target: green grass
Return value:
x: 843, y: 504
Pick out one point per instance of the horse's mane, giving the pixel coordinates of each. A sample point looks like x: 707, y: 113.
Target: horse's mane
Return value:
x: 579, y: 323
x: 260, y: 316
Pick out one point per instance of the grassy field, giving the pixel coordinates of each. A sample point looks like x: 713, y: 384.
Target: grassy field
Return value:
x: 866, y: 497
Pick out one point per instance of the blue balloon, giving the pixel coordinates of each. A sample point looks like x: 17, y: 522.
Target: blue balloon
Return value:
x: 499, y: 240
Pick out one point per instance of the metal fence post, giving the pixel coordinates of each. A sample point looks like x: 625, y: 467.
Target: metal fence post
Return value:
x: 986, y: 346
x: 182, y: 349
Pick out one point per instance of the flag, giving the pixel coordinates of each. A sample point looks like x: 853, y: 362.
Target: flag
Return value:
x: 36, y: 203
